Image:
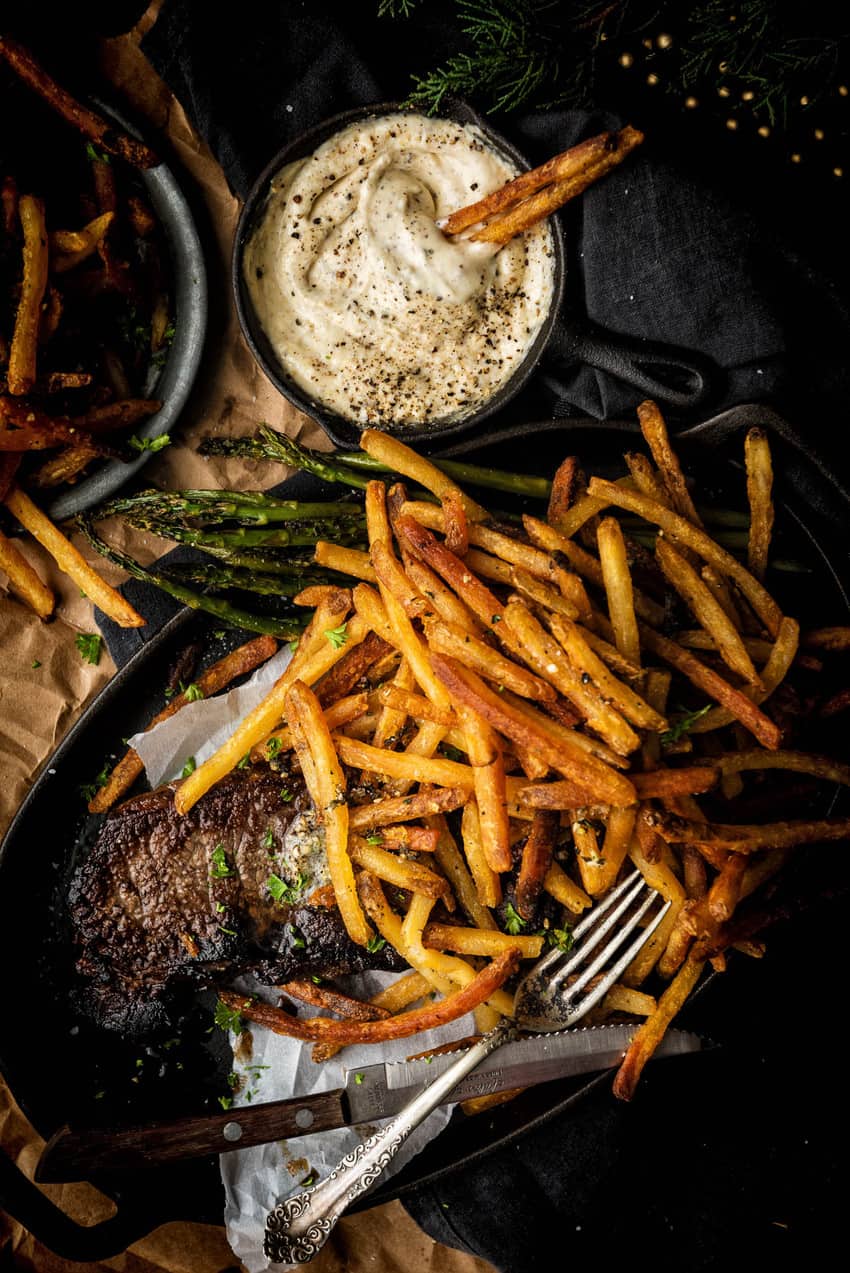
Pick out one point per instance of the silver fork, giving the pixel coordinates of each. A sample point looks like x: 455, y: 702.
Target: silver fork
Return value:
x: 298, y: 1226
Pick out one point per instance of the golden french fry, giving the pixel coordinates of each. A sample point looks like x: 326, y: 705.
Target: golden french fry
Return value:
x: 348, y: 561
x: 654, y: 430
x: 618, y: 588
x: 402, y: 459
x: 21, y: 372
x: 260, y: 722
x: 684, y: 532
x: 653, y: 1030
x: 478, y: 941
x: 759, y: 486
x: 694, y: 592
x: 70, y: 561
x: 238, y: 663
x: 69, y: 248
x: 24, y: 579
x: 327, y: 786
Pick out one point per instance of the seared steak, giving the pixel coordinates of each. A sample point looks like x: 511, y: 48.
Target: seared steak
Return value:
x: 234, y: 886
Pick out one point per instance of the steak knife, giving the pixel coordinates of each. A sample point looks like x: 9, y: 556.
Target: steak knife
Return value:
x: 370, y: 1093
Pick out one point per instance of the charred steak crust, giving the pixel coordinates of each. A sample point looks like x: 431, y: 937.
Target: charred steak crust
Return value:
x: 164, y: 900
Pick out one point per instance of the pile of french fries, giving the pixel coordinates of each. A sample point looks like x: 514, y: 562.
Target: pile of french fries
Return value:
x: 488, y: 724
x: 69, y: 371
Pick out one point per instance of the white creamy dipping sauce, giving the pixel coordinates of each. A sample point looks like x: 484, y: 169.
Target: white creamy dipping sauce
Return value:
x: 369, y: 308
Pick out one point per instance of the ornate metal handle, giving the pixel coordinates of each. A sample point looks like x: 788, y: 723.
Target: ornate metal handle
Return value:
x: 299, y: 1226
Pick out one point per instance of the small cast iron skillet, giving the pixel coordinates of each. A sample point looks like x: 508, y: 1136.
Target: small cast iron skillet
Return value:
x: 675, y: 378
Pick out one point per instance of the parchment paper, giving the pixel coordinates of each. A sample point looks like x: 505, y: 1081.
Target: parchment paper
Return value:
x: 38, y: 704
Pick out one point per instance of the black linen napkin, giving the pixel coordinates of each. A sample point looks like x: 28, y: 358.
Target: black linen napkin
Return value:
x: 726, y: 1154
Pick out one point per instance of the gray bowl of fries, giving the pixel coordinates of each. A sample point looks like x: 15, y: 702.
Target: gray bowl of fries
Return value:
x: 168, y: 380
x: 341, y: 423
x: 102, y: 293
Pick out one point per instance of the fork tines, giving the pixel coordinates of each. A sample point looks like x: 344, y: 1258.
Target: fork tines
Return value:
x: 614, y: 919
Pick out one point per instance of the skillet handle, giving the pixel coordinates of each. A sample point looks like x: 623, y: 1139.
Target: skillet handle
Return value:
x: 50, y: 1226
x: 672, y: 377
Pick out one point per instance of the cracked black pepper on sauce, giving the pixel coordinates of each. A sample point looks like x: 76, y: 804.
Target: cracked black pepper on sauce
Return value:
x: 370, y: 309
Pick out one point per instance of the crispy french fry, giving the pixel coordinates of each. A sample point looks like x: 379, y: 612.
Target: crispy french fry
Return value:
x: 228, y: 669
x: 348, y: 561
x: 684, y: 532
x: 21, y: 372
x: 653, y: 1030
x: 534, y: 730
x: 406, y: 461
x: 585, y: 564
x: 584, y: 658
x: 537, y: 856
x: 399, y: 871
x: 654, y: 431
x: 260, y: 722
x: 478, y: 941
x: 98, y: 130
x: 455, y: 867
x: 692, y: 589
x: 488, y: 886
x: 512, y: 218
x: 334, y: 1001
x: 618, y: 588
x: 24, y: 579
x: 759, y: 486
x: 69, y: 248
x: 71, y: 561
x: 446, y: 638
x: 326, y: 783
x: 324, y: 1029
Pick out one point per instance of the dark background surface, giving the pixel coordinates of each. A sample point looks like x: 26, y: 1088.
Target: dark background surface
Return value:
x: 739, y: 1153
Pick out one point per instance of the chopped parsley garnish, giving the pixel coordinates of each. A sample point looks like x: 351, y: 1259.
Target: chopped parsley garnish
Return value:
x: 514, y: 922
x: 375, y: 838
x: 36, y: 663
x: 299, y: 942
x: 268, y: 839
x: 245, y: 761
x: 189, y: 767
x: 337, y: 636
x: 89, y: 644
x: 286, y: 795
x: 219, y: 634
x: 228, y: 1018
x: 358, y: 1079
x: 283, y: 892
x: 220, y: 869
x: 374, y: 944
x: 192, y: 693
x: 683, y: 725
x: 308, y: 1180
x: 90, y: 789
x: 452, y: 753
x: 560, y: 937
x: 273, y: 747
x: 96, y: 156
x: 293, y: 644
x: 149, y: 444
x: 220, y: 908
x: 225, y: 1101
x: 231, y: 932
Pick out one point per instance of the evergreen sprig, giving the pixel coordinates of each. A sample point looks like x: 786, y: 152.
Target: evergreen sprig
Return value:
x: 544, y: 53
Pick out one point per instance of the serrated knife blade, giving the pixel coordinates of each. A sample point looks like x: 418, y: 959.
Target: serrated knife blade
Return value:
x: 370, y: 1093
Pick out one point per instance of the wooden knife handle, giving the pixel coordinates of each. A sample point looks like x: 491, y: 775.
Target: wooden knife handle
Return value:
x: 77, y: 1155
